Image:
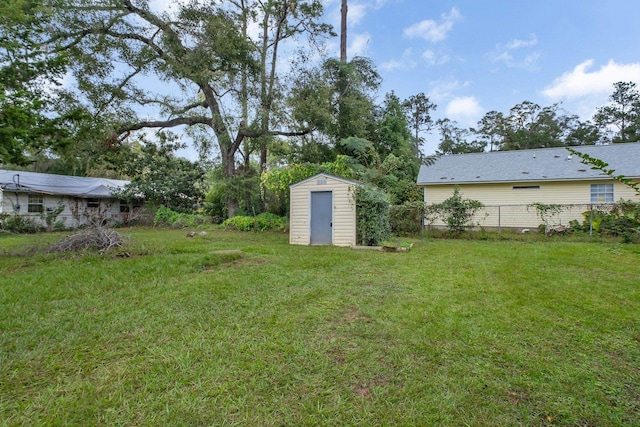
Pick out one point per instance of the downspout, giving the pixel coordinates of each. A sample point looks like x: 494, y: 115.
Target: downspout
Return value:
x: 16, y: 205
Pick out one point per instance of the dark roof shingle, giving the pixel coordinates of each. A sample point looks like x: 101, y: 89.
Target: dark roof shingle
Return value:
x: 548, y: 164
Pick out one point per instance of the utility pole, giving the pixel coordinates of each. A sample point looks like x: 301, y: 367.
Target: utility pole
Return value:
x: 343, y: 32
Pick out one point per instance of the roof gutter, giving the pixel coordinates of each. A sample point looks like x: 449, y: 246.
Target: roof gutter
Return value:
x: 593, y: 178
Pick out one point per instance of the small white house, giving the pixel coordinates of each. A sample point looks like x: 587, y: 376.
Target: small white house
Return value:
x: 323, y: 211
x: 80, y: 200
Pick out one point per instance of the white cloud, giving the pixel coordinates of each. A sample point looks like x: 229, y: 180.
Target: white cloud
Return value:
x: 431, y: 30
x: 582, y: 91
x: 511, y: 54
x: 434, y: 59
x: 442, y: 90
x: 466, y: 110
x: 358, y: 44
x: 517, y: 43
x: 356, y: 13
x: 405, y: 63
x: 579, y: 82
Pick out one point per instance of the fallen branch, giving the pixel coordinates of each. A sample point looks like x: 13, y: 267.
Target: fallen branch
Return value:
x: 101, y: 239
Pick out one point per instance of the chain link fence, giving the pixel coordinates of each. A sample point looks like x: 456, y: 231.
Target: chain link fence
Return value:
x: 414, y: 218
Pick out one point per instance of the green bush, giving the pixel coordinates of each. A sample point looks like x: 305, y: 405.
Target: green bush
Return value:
x: 19, y: 224
x: 166, y: 217
x: 269, y: 221
x: 240, y: 223
x: 372, y: 215
x: 406, y: 218
x: 263, y: 222
x: 456, y: 212
x: 623, y: 220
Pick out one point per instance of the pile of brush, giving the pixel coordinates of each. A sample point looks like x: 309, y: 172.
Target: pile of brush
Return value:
x: 101, y: 239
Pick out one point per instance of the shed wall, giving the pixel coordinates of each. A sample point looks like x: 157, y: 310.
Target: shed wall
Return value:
x: 344, y: 211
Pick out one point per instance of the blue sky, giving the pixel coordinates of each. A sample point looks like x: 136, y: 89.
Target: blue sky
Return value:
x: 472, y: 56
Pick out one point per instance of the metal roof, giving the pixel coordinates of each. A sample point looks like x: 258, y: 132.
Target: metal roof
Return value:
x: 64, y: 185
x: 326, y: 175
x: 547, y: 164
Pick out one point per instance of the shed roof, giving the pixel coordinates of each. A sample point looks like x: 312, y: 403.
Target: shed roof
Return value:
x: 326, y: 175
x: 63, y: 185
x: 547, y: 164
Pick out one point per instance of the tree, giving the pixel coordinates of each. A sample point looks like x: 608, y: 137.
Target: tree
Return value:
x: 394, y: 136
x: 579, y: 132
x: 454, y: 140
x: 529, y: 125
x: 491, y: 128
x: 31, y: 125
x: 343, y: 31
x: 418, y: 108
x: 159, y: 177
x: 216, y: 74
x: 337, y: 99
x: 623, y: 113
x: 398, y: 166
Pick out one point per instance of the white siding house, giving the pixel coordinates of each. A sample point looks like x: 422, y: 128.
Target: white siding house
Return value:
x: 509, y: 182
x: 82, y: 200
x: 323, y: 211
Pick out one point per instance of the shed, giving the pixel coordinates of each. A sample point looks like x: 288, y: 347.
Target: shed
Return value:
x: 323, y: 211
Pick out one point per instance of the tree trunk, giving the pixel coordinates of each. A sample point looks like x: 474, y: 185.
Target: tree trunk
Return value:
x: 228, y: 164
x: 343, y: 32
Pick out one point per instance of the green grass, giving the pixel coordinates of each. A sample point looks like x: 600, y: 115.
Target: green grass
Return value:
x: 188, y: 332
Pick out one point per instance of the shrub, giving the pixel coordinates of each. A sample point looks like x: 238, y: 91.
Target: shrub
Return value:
x: 456, y: 212
x: 269, y: 221
x: 406, y: 218
x: 263, y: 222
x: 166, y: 217
x: 623, y: 220
x: 549, y: 214
x: 372, y: 215
x: 240, y: 223
x: 19, y: 224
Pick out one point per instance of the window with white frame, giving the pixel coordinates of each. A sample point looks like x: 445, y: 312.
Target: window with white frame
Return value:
x: 602, y: 193
x: 35, y: 203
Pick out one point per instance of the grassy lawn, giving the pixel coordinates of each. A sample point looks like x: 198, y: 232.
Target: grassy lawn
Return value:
x: 186, y: 332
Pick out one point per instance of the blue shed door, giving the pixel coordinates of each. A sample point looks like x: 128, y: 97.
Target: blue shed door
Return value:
x: 321, y: 218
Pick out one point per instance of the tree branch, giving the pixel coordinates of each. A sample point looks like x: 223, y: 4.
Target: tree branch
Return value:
x: 178, y: 121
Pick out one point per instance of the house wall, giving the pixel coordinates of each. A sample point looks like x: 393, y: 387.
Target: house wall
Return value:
x: 508, y: 207
x: 75, y: 213
x: 344, y: 211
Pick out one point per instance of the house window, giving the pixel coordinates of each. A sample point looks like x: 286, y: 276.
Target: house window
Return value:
x: 93, y: 203
x: 601, y: 193
x: 36, y: 203
x: 126, y: 206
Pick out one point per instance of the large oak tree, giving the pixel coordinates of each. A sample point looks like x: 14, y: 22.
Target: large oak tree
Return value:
x: 215, y: 66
